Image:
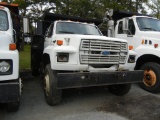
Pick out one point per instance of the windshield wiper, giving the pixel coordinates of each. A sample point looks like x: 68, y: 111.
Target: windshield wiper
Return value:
x: 147, y: 28
x: 66, y: 32
x: 88, y: 34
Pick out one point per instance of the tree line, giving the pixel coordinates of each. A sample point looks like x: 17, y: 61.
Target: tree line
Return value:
x: 85, y: 8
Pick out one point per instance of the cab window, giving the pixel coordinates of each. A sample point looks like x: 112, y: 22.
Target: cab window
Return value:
x: 3, y: 21
x: 131, y: 27
x: 120, y: 28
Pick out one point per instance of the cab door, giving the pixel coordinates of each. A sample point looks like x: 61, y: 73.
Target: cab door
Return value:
x: 130, y: 35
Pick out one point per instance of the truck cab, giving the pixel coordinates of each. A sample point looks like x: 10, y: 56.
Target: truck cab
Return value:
x: 142, y: 32
x: 10, y: 83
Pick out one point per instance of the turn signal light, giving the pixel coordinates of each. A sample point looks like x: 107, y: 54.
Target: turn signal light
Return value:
x: 131, y: 59
x: 59, y: 42
x: 130, y: 47
x: 12, y: 46
x: 62, y: 57
x: 155, y: 45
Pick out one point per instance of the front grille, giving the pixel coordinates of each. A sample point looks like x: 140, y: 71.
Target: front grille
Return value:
x: 91, y: 51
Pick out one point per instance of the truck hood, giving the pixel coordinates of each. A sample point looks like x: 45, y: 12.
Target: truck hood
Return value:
x: 72, y: 40
x: 90, y: 37
x: 151, y: 34
x: 5, y: 40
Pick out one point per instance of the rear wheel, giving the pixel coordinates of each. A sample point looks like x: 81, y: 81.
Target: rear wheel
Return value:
x: 120, y: 89
x: 151, y: 80
x: 12, y: 106
x: 52, y: 94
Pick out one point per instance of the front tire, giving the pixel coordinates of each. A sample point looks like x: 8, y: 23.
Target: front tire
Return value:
x: 151, y: 80
x: 52, y: 94
x: 120, y: 89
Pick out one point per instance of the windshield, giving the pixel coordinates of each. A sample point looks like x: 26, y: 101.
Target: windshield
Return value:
x: 148, y: 24
x: 76, y: 28
x: 3, y: 21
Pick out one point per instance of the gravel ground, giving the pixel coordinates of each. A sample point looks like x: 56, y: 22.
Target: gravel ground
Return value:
x: 84, y: 104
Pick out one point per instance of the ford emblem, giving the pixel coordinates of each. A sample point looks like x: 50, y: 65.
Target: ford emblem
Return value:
x: 105, y: 53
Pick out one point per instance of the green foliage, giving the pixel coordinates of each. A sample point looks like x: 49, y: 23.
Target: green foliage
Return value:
x: 81, y: 8
x: 25, y: 57
x: 154, y: 5
x: 96, y: 8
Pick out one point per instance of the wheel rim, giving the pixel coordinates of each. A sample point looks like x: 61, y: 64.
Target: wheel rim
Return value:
x: 149, y: 78
x: 46, y: 84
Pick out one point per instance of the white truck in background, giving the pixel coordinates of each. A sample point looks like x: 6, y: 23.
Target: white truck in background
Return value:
x: 143, y: 34
x: 72, y: 54
x: 10, y: 82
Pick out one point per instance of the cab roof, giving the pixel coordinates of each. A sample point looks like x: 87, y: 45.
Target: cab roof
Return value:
x: 53, y: 17
x: 122, y: 14
x: 11, y: 7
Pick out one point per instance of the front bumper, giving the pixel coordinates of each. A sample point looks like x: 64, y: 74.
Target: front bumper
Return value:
x: 86, y: 79
x: 9, y: 91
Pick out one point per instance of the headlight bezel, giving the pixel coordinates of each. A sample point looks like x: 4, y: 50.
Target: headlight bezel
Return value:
x: 65, y: 57
x: 10, y: 70
x: 132, y: 59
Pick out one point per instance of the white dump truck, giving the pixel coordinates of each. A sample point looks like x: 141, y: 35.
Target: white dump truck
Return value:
x: 142, y: 33
x: 71, y: 52
x: 10, y: 82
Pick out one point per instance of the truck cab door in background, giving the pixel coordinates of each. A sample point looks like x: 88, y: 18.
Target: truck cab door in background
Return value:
x: 129, y: 35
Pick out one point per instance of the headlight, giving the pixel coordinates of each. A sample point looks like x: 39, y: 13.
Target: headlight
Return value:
x: 62, y: 57
x: 132, y: 59
x: 4, y: 66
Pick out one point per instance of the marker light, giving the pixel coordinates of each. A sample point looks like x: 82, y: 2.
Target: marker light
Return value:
x: 155, y: 45
x: 12, y: 46
x: 59, y: 42
x: 142, y: 42
x: 130, y: 47
x: 1, y: 7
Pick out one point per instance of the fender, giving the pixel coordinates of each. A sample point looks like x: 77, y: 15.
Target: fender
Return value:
x: 72, y: 64
x: 146, y: 49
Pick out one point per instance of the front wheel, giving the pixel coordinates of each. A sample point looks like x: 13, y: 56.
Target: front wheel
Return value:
x: 120, y: 89
x: 52, y: 94
x: 151, y: 79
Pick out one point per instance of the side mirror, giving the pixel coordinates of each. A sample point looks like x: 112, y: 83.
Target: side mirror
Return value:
x: 109, y: 12
x: 125, y: 24
x: 46, y: 33
x: 25, y: 25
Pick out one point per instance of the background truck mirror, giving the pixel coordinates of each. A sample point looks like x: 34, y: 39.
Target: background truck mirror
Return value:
x: 25, y: 25
x: 125, y: 24
x: 109, y: 13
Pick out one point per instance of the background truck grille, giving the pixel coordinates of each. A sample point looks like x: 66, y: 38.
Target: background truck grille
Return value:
x: 93, y: 52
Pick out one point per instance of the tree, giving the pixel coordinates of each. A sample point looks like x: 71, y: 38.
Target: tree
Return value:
x: 154, y: 6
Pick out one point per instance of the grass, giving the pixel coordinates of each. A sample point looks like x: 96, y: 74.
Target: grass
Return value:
x: 25, y: 58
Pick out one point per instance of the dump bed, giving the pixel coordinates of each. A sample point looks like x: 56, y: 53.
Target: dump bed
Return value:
x: 12, y: 7
x: 122, y: 14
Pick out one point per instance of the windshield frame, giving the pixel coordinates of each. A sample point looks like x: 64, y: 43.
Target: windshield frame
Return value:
x: 6, y: 19
x: 78, y: 31
x: 145, y: 24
